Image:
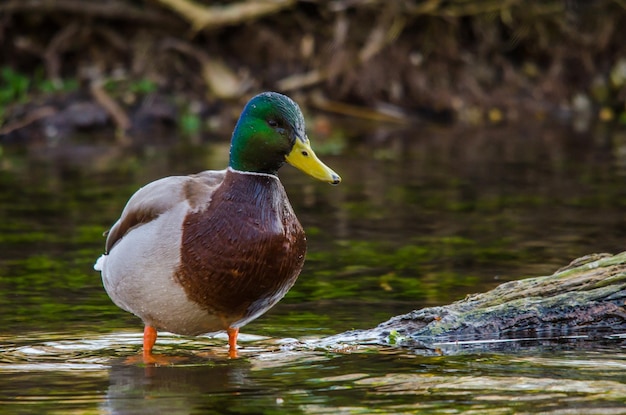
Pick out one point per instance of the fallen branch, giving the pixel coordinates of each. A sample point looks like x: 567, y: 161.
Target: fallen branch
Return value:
x: 210, y: 17
x: 588, y: 296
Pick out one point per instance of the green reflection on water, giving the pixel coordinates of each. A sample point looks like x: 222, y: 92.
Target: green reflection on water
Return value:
x: 435, y: 219
x: 423, y: 226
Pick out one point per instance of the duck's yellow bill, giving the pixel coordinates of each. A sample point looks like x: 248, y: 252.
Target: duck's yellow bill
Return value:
x: 302, y: 157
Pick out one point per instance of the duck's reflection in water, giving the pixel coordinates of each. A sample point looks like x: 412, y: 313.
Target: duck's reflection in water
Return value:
x: 172, y: 390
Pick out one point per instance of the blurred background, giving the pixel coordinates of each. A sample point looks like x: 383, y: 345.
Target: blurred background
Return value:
x: 132, y: 64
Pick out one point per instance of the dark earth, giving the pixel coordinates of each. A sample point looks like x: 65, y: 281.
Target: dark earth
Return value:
x: 137, y: 67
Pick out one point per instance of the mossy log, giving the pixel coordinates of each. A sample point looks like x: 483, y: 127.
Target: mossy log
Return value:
x: 586, y: 297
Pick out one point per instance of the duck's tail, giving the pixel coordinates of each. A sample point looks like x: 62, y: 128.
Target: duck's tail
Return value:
x: 100, y: 263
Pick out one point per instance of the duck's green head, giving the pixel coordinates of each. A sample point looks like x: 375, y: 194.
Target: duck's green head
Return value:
x: 270, y: 132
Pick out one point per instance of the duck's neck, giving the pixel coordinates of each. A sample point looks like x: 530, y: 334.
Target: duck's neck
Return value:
x: 252, y: 188
x: 231, y: 170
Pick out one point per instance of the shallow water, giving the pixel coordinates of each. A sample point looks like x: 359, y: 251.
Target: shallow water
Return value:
x: 422, y: 218
x: 61, y: 373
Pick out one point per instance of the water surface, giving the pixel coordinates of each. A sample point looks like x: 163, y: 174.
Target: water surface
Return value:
x: 422, y: 218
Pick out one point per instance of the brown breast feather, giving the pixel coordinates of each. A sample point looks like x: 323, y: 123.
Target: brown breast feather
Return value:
x: 243, y: 253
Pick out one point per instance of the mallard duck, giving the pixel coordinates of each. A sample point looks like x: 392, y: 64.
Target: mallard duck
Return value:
x: 213, y: 251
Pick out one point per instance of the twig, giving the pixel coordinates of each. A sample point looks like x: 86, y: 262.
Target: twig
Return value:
x: 341, y: 108
x: 387, y: 30
x: 218, y: 77
x: 210, y: 17
x: 30, y: 118
x: 112, y: 9
x: 301, y: 80
x: 58, y: 43
x: 121, y: 120
x: 426, y: 7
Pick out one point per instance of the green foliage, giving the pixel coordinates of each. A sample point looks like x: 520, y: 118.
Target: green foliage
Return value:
x: 13, y: 86
x: 140, y: 86
x: 143, y: 86
x: 64, y: 85
x: 190, y: 123
x: 134, y: 87
x: 16, y: 87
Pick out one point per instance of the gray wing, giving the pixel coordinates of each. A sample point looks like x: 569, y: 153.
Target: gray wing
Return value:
x: 158, y: 197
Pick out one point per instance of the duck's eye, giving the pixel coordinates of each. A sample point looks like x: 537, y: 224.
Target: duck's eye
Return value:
x: 272, y: 123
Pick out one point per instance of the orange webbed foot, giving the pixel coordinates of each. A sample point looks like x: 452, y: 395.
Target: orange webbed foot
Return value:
x: 149, y: 339
x: 147, y: 358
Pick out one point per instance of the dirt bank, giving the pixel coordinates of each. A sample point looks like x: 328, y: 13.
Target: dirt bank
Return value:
x: 399, y: 61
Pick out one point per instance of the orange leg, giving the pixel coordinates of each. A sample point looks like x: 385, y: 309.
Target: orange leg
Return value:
x: 149, y: 338
x: 232, y: 342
